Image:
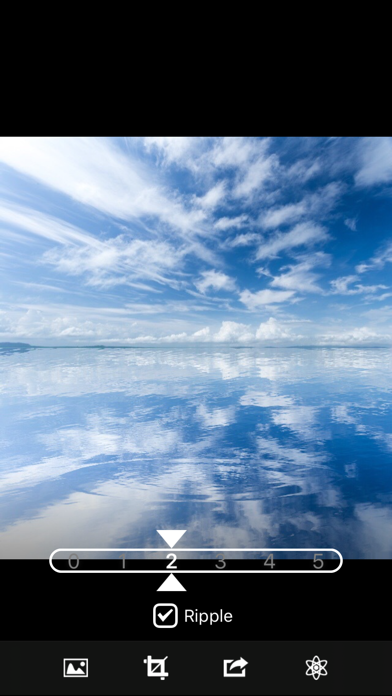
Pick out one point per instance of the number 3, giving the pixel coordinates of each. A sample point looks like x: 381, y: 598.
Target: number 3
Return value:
x: 221, y: 560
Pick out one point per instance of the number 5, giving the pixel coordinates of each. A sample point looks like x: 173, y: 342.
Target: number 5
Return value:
x: 317, y: 560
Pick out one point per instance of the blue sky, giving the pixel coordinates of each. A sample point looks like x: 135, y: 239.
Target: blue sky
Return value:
x: 133, y: 241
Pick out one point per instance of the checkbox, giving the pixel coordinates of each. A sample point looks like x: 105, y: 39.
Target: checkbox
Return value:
x: 165, y: 616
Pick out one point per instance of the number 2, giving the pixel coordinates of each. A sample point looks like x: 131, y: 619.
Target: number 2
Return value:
x: 170, y: 565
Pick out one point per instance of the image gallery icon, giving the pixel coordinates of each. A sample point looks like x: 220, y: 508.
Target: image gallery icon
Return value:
x: 156, y: 667
x: 165, y: 616
x: 234, y: 668
x: 75, y: 667
x: 316, y: 668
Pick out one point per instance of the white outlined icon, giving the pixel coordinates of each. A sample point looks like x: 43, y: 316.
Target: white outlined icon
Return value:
x: 316, y: 668
x: 234, y: 668
x: 171, y: 584
x: 75, y: 667
x: 156, y: 667
x: 165, y: 616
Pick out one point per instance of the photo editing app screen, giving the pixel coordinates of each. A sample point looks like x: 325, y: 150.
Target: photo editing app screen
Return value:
x: 195, y: 415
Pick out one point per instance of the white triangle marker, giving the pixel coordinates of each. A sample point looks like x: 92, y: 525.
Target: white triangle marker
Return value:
x: 171, y: 536
x: 171, y: 584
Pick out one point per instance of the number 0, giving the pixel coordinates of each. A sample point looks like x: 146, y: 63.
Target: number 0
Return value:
x: 74, y: 555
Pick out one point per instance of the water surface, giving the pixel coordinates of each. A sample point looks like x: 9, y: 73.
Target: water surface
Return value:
x: 288, y: 447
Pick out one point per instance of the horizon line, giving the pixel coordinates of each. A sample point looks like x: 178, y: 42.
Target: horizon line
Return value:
x: 201, y: 344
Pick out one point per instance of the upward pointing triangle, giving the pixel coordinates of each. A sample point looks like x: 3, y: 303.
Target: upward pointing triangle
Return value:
x: 171, y: 536
x: 171, y: 584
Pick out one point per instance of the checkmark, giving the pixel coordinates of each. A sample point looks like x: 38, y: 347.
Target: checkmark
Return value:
x: 163, y: 617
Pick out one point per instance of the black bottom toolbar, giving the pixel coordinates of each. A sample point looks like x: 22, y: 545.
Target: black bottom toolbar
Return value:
x: 202, y: 667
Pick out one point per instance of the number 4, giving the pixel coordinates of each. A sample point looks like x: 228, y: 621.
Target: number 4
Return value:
x: 270, y: 561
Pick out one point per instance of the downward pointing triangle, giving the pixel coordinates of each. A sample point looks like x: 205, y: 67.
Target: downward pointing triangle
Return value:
x: 171, y: 584
x: 171, y: 536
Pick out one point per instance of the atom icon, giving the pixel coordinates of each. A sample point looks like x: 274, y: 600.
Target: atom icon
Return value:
x: 316, y: 668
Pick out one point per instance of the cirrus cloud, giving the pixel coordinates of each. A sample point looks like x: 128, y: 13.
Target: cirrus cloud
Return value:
x: 257, y: 300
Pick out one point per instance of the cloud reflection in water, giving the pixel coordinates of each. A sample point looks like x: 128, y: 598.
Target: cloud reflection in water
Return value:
x: 247, y: 447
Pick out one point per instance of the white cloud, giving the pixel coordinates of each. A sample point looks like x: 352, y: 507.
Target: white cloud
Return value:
x: 104, y: 187
x: 235, y: 151
x: 45, y: 226
x: 357, y: 336
x: 363, y: 267
x: 375, y: 155
x: 96, y: 324
x: 378, y: 261
x: 351, y: 223
x: 75, y: 325
x: 226, y: 223
x: 257, y: 300
x: 215, y: 280
x: 304, y: 169
x: 318, y: 204
x: 257, y: 174
x: 286, y: 214
x: 271, y: 330
x: 120, y: 261
x: 246, y: 239
x: 230, y: 331
x: 322, y: 201
x: 341, y: 286
x: 96, y: 173
x: 254, y: 167
x: 382, y: 315
x: 383, y: 297
x: 300, y: 277
x: 202, y: 334
x: 305, y: 233
x: 214, y: 197
x: 247, y: 157
x: 177, y: 150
